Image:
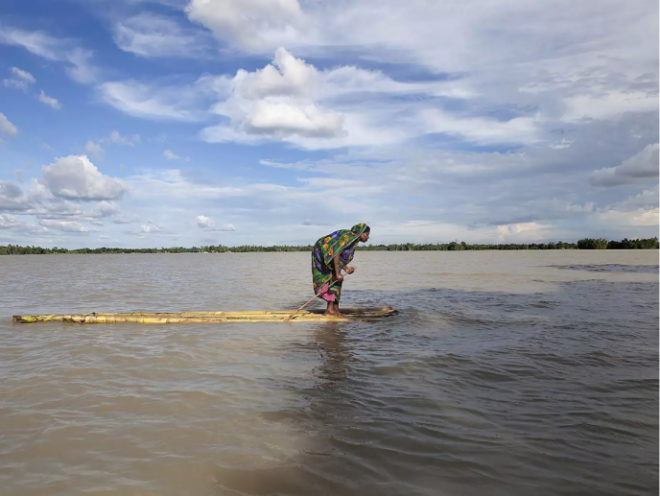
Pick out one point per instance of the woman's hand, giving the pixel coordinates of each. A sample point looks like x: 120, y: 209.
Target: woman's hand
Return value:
x: 337, y: 277
x: 349, y: 270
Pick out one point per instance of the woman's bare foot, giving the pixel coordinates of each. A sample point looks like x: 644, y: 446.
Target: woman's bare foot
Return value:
x: 333, y: 313
x: 330, y: 310
x: 333, y: 310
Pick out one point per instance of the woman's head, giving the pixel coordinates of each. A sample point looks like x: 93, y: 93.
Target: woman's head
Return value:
x: 362, y: 230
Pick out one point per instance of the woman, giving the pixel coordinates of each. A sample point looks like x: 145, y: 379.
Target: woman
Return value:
x: 330, y: 255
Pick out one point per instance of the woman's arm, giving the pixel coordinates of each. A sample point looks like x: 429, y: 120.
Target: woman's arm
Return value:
x: 336, y: 270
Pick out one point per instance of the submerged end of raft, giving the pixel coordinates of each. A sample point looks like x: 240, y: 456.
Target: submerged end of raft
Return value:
x: 350, y: 314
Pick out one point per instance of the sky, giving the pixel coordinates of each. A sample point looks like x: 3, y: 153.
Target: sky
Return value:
x: 157, y: 123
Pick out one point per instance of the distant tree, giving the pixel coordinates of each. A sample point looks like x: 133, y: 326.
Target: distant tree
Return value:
x: 634, y: 244
x: 592, y: 244
x: 583, y: 244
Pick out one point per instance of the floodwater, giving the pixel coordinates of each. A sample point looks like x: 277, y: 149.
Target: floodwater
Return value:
x: 505, y: 373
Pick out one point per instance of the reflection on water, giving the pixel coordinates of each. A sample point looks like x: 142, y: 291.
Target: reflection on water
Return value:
x: 304, y: 472
x: 503, y: 374
x: 334, y: 351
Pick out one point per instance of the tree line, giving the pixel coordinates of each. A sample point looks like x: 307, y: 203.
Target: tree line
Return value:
x: 582, y: 244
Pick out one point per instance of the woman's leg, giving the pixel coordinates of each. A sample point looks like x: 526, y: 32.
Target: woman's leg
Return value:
x: 337, y: 297
x: 333, y: 309
x: 330, y: 298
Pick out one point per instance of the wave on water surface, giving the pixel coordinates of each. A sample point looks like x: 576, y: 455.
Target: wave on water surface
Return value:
x: 637, y: 269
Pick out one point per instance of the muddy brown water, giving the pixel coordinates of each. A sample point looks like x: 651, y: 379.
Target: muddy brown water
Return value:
x: 505, y: 373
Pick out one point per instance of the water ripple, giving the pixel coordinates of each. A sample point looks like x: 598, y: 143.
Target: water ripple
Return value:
x: 530, y: 384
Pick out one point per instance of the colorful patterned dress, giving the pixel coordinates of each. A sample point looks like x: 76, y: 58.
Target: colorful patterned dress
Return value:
x: 323, y: 254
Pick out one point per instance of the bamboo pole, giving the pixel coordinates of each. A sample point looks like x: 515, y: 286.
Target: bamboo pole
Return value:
x: 207, y: 317
x: 350, y: 311
x: 288, y: 319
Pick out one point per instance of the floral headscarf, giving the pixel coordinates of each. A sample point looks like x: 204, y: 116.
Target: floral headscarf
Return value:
x: 338, y: 240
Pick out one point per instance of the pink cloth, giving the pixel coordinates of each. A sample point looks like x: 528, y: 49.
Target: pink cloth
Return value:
x: 325, y: 294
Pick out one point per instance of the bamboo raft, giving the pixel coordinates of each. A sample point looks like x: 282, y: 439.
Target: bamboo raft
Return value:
x: 350, y: 314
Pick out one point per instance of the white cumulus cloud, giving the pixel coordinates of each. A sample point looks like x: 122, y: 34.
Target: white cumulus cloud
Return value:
x: 151, y: 228
x: 252, y: 24
x: 281, y: 119
x: 94, y: 150
x: 7, y: 128
x: 170, y: 155
x: 23, y: 75
x: 48, y: 100
x: 291, y: 100
x: 209, y: 224
x: 278, y: 101
x: 76, y: 178
x: 20, y: 79
x: 118, y: 139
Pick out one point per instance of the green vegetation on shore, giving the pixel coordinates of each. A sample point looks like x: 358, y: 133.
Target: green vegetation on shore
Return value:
x: 583, y: 244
